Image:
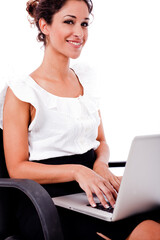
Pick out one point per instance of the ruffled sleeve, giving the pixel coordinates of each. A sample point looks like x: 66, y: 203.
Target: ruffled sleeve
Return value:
x: 21, y: 90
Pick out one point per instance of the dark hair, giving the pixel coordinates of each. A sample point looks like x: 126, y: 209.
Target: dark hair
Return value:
x: 45, y: 9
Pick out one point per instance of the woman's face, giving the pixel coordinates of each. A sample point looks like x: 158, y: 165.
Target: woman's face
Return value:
x: 68, y: 32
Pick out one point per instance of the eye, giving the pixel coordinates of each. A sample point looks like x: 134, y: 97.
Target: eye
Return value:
x: 84, y: 24
x: 70, y: 22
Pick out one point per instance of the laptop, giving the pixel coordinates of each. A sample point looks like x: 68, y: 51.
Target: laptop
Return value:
x: 139, y: 190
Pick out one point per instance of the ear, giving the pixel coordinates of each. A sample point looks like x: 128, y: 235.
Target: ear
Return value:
x: 43, y: 26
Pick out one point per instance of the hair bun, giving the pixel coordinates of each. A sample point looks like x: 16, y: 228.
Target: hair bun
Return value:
x: 31, y: 7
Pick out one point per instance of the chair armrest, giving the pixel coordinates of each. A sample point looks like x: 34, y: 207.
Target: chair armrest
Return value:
x: 42, y: 202
x: 117, y: 164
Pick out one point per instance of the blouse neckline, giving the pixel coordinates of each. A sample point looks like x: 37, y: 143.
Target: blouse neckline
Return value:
x: 56, y: 96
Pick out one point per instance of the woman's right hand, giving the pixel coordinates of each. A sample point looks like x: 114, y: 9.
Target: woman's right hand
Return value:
x: 91, y: 183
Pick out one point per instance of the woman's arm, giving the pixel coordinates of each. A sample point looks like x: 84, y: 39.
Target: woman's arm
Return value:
x: 15, y: 129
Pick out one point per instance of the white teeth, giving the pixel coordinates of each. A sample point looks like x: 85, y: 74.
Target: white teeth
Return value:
x: 75, y: 43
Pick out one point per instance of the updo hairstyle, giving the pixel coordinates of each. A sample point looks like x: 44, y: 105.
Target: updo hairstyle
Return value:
x: 45, y: 9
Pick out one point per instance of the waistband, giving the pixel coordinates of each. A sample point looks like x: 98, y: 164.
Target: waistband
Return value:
x: 87, y: 159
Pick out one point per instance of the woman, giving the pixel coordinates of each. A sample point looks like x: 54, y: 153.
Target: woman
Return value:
x: 56, y: 121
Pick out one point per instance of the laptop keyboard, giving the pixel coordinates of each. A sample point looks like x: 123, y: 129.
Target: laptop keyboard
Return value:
x: 101, y: 207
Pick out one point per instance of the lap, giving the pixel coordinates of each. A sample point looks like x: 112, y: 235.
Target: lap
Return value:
x: 121, y: 229
x: 85, y: 227
x: 79, y: 226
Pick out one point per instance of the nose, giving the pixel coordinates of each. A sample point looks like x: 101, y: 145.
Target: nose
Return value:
x: 78, y: 31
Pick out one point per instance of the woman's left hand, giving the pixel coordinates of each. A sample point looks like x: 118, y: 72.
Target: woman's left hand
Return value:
x: 103, y: 170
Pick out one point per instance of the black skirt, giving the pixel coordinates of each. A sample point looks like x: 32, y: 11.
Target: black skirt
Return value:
x: 58, y: 189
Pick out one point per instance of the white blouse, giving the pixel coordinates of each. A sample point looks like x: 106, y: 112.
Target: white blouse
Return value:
x: 62, y: 126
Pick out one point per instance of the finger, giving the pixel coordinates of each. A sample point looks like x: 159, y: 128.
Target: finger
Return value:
x: 110, y: 195
x: 111, y: 189
x: 101, y: 197
x: 115, y: 183
x: 103, y: 236
x: 90, y: 198
x: 114, y: 180
x: 109, y: 192
x: 120, y: 179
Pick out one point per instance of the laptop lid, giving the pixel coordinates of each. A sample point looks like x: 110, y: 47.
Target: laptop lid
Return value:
x: 139, y: 190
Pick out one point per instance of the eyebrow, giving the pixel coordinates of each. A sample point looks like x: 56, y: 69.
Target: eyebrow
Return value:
x: 72, y: 16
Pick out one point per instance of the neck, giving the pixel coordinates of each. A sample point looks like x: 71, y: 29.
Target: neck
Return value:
x: 54, y: 65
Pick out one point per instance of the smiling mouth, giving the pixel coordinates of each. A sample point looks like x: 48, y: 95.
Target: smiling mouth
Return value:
x: 77, y: 44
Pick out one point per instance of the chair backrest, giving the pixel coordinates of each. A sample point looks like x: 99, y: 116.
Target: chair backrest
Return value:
x: 6, y: 205
x: 3, y: 169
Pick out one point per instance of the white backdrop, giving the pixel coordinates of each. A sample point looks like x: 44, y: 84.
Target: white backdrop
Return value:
x: 124, y: 45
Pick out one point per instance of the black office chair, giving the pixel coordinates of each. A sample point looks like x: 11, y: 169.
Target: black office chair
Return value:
x: 10, y: 190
